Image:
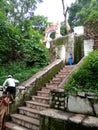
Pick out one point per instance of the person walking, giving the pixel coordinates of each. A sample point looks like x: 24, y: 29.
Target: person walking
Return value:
x: 70, y: 59
x: 11, y: 88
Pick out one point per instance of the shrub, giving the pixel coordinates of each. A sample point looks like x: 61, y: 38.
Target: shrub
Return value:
x: 11, y: 43
x: 36, y: 54
x: 85, y: 77
x: 18, y: 70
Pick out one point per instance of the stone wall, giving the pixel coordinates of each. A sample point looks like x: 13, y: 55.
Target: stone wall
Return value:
x: 52, y: 119
x: 62, y: 47
x: 82, y: 102
x: 58, y: 99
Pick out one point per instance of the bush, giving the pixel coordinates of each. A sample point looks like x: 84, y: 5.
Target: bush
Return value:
x: 18, y: 70
x: 11, y: 43
x: 36, y: 54
x: 85, y: 77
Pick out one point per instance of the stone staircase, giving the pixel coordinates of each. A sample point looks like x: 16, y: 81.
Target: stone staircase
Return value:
x: 27, y: 117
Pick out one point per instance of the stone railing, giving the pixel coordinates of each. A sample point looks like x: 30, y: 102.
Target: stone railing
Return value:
x: 52, y: 119
x: 36, y: 82
x: 82, y: 102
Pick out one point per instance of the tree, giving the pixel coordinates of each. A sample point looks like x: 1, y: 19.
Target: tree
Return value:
x: 40, y: 23
x: 82, y: 11
x: 65, y: 11
x: 10, y: 41
x: 19, y: 10
x: 63, y: 29
x: 36, y: 53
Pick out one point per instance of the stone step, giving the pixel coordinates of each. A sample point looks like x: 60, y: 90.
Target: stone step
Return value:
x: 54, y: 83
x: 57, y: 82
x: 50, y: 85
x: 29, y: 112
x: 56, y: 79
x: 46, y: 89
x: 60, y: 76
x: 69, y: 66
x: 36, y: 105
x: 43, y: 93
x: 40, y: 99
x: 13, y: 126
x: 64, y: 72
x: 25, y: 121
x: 28, y: 119
x: 67, y: 69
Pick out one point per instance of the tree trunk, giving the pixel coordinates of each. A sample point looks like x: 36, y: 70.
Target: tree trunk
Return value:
x: 65, y: 17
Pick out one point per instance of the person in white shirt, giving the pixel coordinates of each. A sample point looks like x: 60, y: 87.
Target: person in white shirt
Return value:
x: 11, y: 88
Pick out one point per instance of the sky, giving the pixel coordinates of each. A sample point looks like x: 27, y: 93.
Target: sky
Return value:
x: 52, y: 9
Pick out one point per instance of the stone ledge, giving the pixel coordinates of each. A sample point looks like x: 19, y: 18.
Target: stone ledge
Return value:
x: 84, y: 120
x: 82, y: 102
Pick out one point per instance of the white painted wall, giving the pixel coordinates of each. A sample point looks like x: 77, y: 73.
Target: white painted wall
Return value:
x: 79, y: 30
x: 60, y: 50
x: 88, y: 46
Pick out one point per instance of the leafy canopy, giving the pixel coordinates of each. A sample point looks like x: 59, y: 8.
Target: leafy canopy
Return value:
x: 82, y: 11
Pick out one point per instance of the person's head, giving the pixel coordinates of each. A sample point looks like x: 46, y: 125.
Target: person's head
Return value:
x: 4, y: 94
x: 9, y: 76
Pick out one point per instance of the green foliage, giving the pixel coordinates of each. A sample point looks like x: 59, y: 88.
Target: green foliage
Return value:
x: 63, y: 31
x: 21, y: 48
x: 10, y: 41
x: 18, y: 70
x: 61, y: 41
x: 85, y: 77
x: 36, y: 53
x: 18, y: 10
x: 40, y: 23
x: 27, y: 30
x: 25, y: 45
x: 82, y: 11
x: 89, y: 12
x: 78, y: 49
x: 93, y: 15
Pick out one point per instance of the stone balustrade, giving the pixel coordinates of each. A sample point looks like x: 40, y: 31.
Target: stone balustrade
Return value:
x: 35, y: 83
x: 82, y: 102
x: 60, y: 120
